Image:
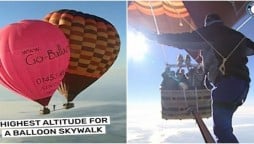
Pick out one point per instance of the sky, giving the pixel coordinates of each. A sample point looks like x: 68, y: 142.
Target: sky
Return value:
x: 112, y: 11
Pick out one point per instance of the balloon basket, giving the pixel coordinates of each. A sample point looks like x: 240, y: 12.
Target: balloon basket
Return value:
x: 178, y: 104
x: 45, y: 111
x: 68, y: 105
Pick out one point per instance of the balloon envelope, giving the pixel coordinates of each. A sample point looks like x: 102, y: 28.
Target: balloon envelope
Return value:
x: 94, y: 45
x: 34, y: 56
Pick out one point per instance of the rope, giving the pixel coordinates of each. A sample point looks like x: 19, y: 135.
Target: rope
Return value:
x: 157, y: 30
x: 222, y: 67
x: 224, y: 59
x: 185, y: 98
x: 203, y: 129
x: 188, y: 108
x: 196, y: 94
x: 235, y: 8
x: 154, y: 18
x: 247, y: 20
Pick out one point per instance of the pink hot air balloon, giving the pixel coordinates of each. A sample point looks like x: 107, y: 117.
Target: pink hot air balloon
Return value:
x: 34, y: 56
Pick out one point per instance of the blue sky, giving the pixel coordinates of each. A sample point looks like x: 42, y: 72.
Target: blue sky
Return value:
x: 113, y: 11
x: 144, y: 74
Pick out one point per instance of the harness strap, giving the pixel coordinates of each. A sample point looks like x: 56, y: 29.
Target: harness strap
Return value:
x: 222, y: 67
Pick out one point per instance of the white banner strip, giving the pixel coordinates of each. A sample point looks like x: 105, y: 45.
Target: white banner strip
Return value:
x: 56, y: 122
x: 53, y: 131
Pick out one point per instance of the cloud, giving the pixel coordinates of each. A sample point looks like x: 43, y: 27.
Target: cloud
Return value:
x: 145, y: 125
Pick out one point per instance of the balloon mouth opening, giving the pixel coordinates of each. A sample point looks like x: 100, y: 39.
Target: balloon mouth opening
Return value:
x: 44, y: 101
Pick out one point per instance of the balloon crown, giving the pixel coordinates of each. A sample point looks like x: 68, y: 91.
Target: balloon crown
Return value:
x: 79, y: 13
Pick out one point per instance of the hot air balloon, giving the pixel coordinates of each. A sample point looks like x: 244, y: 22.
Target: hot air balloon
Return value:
x: 177, y: 17
x: 94, y: 46
x: 34, y: 56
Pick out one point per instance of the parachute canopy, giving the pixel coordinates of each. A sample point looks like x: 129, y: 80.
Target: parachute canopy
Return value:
x: 181, y: 16
x: 34, y: 56
x: 94, y: 45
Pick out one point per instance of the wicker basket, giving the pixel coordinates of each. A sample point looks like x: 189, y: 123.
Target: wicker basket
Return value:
x: 177, y: 104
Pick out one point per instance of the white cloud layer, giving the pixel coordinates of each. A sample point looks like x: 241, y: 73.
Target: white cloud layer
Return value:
x: 145, y: 125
